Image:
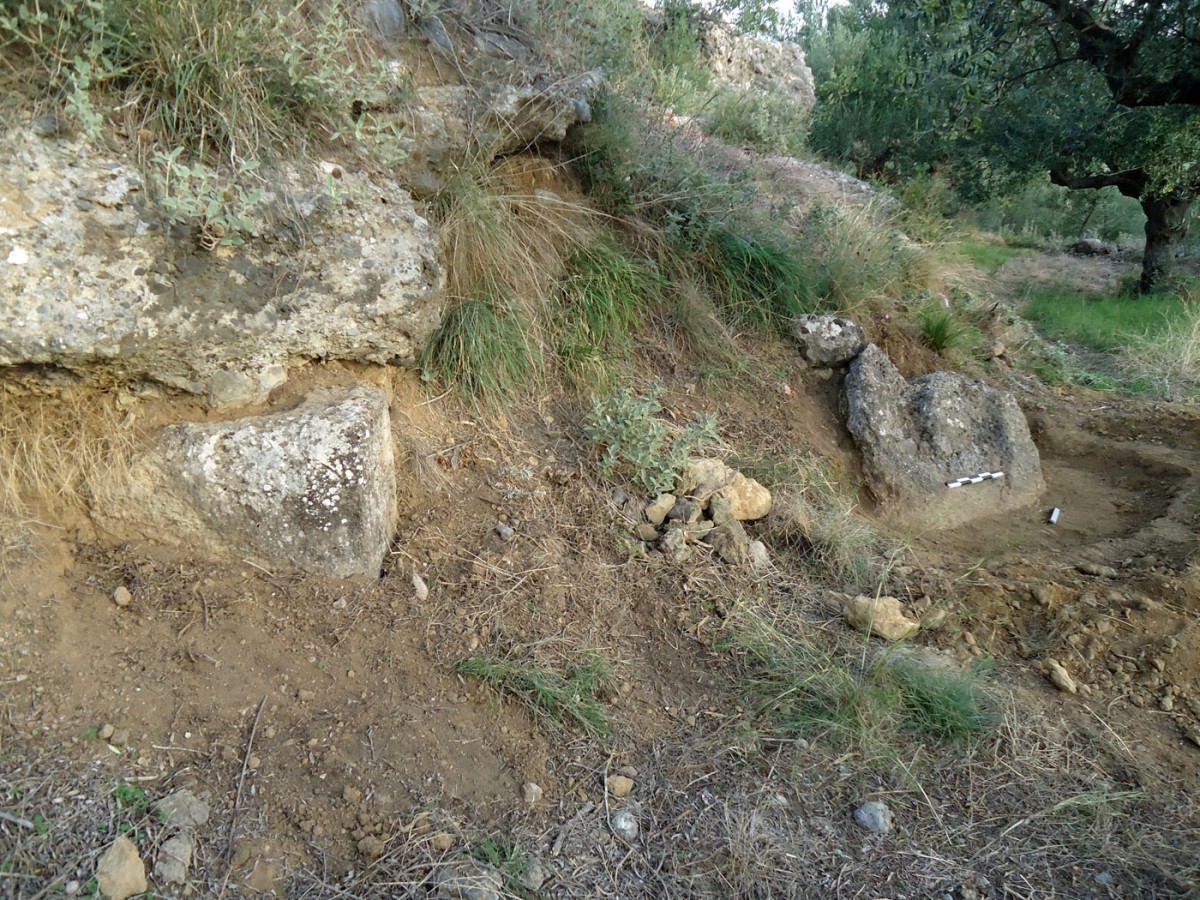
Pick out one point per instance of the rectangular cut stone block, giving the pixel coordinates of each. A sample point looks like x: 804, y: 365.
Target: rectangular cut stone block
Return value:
x: 310, y: 490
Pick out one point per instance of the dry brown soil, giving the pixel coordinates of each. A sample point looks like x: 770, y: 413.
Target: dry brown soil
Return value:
x: 317, y: 715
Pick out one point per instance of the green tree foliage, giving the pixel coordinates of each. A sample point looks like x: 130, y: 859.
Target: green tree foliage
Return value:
x: 1097, y: 93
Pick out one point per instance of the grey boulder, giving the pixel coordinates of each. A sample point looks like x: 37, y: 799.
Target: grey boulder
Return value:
x: 916, y: 436
x: 827, y: 340
x: 311, y: 490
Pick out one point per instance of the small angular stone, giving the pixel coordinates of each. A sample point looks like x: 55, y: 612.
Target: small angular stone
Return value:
x: 1060, y: 677
x: 875, y: 816
x: 619, y: 785
x: 882, y: 617
x: 121, y: 872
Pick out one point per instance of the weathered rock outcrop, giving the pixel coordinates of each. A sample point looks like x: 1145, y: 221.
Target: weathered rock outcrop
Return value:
x: 917, y: 436
x: 757, y: 61
x: 92, y: 283
x: 744, y: 61
x: 454, y: 122
x: 311, y: 490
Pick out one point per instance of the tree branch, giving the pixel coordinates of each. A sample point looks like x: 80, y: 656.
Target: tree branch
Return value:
x: 1131, y: 183
x: 1114, y: 56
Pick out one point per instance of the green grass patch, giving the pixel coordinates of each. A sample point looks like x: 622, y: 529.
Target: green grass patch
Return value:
x: 988, y: 256
x: 944, y: 330
x: 604, y: 297
x: 561, y: 699
x: 512, y: 861
x: 800, y: 686
x: 483, y: 349
x: 237, y: 76
x: 947, y: 704
x: 756, y: 283
x: 768, y: 122
x: 129, y: 796
x: 797, y: 688
x: 1101, y: 323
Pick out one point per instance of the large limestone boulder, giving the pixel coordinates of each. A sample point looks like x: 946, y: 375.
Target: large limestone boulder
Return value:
x: 917, y: 436
x: 95, y: 283
x: 311, y: 490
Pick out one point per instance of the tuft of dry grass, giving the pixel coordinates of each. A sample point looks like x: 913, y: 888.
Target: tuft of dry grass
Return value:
x: 502, y: 239
x: 1169, y: 360
x: 865, y: 261
x: 814, y: 517
x: 56, y: 454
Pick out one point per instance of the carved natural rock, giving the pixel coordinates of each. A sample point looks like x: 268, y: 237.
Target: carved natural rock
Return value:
x: 311, y: 490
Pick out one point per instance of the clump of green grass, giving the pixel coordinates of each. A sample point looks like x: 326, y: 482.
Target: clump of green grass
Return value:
x: 499, y: 239
x: 562, y: 699
x: 604, y: 296
x: 1168, y: 362
x: 944, y: 330
x: 237, y: 76
x: 801, y: 686
x: 860, y: 258
x: 814, y: 517
x: 757, y: 283
x: 987, y: 255
x: 512, y: 861
x: 797, y: 687
x: 1104, y: 323
x: 483, y: 347
x: 944, y: 703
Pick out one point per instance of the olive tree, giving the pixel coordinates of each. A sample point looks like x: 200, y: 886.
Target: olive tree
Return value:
x: 1097, y: 93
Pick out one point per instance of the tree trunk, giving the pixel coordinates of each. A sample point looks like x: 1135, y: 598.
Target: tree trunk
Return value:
x: 1166, y: 227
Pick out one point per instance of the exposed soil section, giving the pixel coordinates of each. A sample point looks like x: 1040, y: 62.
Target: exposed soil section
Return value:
x: 365, y: 731
x: 344, y: 757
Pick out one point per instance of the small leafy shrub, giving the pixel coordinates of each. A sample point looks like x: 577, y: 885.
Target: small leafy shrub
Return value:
x: 558, y: 698
x: 482, y: 347
x: 220, y: 211
x: 676, y: 57
x: 641, y: 446
x: 768, y: 122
